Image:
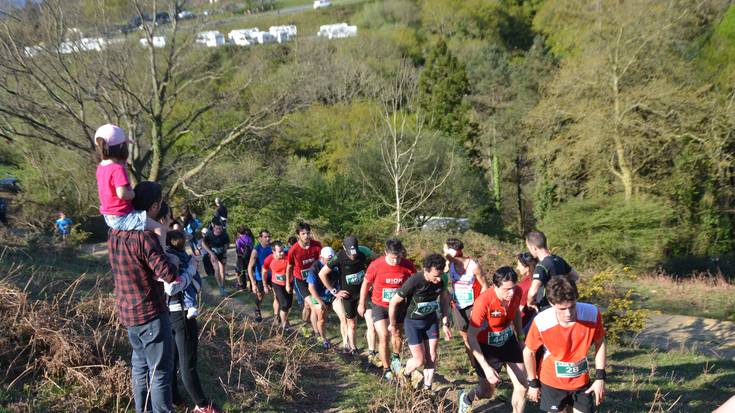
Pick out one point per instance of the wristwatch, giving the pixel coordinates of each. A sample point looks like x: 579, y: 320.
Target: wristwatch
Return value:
x: 333, y: 291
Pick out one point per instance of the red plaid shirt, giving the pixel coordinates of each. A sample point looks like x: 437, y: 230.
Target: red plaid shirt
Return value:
x: 137, y: 262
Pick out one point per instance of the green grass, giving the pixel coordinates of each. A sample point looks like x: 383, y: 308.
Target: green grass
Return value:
x: 698, y: 297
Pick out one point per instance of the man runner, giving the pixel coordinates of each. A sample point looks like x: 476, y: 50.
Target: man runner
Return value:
x: 386, y: 275
x: 216, y: 243
x: 352, y: 264
x: 257, y: 278
x: 276, y: 264
x: 548, y: 266
x: 320, y: 298
x: 494, y: 329
x: 300, y: 257
x: 567, y: 330
x: 426, y: 292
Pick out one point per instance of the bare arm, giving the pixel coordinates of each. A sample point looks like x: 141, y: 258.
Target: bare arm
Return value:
x: 479, y: 277
x: 518, y: 324
x: 125, y: 193
x: 394, y: 303
x: 324, y: 276
x: 493, y: 376
x: 533, y: 292
x: 251, y: 267
x: 529, y: 360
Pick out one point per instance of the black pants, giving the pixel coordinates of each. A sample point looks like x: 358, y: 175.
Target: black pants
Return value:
x: 186, y: 340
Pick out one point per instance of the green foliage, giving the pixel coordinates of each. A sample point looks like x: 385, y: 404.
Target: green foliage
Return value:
x: 717, y: 58
x: 442, y: 87
x: 600, y: 232
x: 619, y: 314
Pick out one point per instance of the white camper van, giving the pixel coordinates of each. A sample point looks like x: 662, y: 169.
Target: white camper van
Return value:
x: 211, y: 38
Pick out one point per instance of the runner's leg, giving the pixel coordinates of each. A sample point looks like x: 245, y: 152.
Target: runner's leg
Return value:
x: 381, y: 329
x: 338, y: 307
x: 517, y: 373
x: 417, y: 358
x: 351, y: 327
x: 430, y: 363
x: 370, y: 332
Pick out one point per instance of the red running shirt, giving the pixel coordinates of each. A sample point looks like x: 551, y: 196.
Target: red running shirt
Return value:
x: 277, y: 267
x: 301, y: 258
x: 387, y: 279
x: 563, y: 366
x: 489, y: 314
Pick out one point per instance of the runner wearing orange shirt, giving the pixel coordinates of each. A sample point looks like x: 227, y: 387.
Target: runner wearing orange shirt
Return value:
x: 493, y: 337
x: 567, y: 330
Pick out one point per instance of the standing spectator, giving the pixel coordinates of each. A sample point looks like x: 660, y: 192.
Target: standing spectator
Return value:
x: 220, y: 213
x: 63, y: 226
x: 191, y: 226
x: 138, y: 266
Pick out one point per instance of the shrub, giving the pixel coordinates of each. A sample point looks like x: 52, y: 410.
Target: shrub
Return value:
x: 602, y: 232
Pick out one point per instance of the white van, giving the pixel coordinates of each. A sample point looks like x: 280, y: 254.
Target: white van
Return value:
x: 211, y: 38
x: 318, y: 4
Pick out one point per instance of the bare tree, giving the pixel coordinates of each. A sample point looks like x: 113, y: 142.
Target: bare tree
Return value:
x: 410, y: 172
x: 57, y: 87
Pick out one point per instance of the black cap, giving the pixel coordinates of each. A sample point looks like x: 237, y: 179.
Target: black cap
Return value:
x: 350, y: 245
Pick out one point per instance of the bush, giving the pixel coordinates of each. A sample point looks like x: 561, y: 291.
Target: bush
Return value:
x: 618, y: 314
x: 603, y: 232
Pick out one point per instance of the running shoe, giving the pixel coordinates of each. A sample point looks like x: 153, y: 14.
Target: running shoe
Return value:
x: 325, y: 345
x: 208, y: 409
x: 354, y: 352
x: 395, y: 364
x: 388, y: 376
x: 258, y: 317
x: 464, y: 406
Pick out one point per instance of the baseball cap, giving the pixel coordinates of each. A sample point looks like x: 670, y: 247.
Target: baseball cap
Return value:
x: 327, y: 252
x: 112, y: 134
x: 350, y: 245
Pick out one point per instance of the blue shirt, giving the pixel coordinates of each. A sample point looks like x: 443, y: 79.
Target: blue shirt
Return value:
x: 63, y: 225
x: 312, y: 277
x: 263, y: 253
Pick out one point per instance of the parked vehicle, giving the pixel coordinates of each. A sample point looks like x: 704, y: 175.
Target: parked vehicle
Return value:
x: 318, y: 4
x: 243, y: 37
x: 158, y: 42
x: 185, y: 15
x: 210, y: 38
x: 162, y: 18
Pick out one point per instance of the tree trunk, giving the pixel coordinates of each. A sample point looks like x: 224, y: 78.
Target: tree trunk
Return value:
x: 624, y: 171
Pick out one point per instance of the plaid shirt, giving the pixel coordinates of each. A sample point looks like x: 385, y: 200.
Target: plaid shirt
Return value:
x: 137, y: 262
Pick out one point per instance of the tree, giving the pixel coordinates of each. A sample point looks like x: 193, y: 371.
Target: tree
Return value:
x: 442, y: 87
x: 56, y: 89
x: 409, y: 172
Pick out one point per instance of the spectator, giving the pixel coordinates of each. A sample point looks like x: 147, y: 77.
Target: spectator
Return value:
x: 63, y: 226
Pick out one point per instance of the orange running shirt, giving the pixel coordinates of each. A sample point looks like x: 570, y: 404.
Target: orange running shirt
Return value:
x: 277, y: 268
x: 489, y: 314
x: 565, y: 364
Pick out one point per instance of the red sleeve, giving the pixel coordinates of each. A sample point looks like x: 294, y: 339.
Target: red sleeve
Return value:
x: 533, y: 338
x: 157, y: 260
x: 290, y: 257
x: 267, y: 262
x: 370, y: 274
x: 479, y: 311
x: 600, y: 328
x: 119, y: 176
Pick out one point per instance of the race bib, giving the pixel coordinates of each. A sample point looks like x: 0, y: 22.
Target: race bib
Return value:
x: 571, y: 370
x: 355, y: 279
x: 499, y: 338
x: 388, y: 293
x: 426, y: 308
x: 281, y: 277
x: 305, y: 274
x: 464, y: 297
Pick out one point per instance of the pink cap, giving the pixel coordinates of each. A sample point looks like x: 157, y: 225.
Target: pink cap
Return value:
x: 112, y: 134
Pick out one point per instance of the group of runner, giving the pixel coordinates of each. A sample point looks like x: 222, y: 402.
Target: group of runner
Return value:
x: 530, y: 323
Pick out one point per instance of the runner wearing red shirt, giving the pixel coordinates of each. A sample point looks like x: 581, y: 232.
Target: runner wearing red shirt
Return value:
x: 386, y: 275
x: 525, y: 265
x: 567, y: 330
x: 493, y: 335
x: 300, y: 257
x: 277, y: 264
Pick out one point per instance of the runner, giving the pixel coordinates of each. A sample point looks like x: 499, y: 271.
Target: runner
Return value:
x: 220, y: 213
x: 300, y: 257
x: 191, y: 226
x: 426, y: 292
x: 525, y: 265
x: 386, y: 275
x: 320, y: 298
x: 352, y: 263
x: 257, y: 258
x: 548, y: 266
x: 276, y: 264
x: 493, y: 334
x: 243, y: 250
x: 63, y: 225
x: 467, y: 283
x: 370, y: 334
x: 206, y: 261
x: 567, y: 330
x: 216, y: 243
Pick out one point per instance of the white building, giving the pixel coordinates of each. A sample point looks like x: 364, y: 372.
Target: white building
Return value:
x: 211, y: 38
x: 337, y: 31
x: 283, y: 33
x: 243, y: 37
x: 158, y: 42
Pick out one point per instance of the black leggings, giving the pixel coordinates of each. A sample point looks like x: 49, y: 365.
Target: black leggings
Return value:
x: 284, y: 299
x: 186, y: 340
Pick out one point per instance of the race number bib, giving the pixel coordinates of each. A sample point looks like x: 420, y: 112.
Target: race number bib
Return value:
x: 388, y: 293
x: 571, y: 370
x: 499, y: 338
x: 464, y: 297
x: 426, y: 308
x: 305, y: 274
x: 281, y: 277
x: 355, y: 279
